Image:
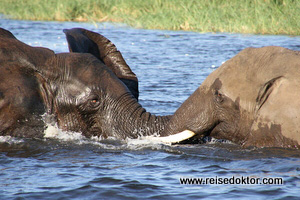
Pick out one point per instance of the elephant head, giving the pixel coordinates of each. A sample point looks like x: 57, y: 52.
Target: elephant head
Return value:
x: 77, y: 90
x: 252, y: 100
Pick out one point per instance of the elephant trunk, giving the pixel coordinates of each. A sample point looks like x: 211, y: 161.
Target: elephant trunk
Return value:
x: 196, y: 114
x: 127, y: 118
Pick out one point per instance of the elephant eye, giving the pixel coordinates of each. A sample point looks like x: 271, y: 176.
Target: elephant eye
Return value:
x: 94, y: 101
x: 219, y: 96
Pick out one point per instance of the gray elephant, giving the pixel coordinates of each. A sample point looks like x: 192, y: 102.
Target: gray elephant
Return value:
x: 251, y: 100
x: 77, y: 90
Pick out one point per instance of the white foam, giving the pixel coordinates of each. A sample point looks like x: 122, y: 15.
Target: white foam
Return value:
x: 212, y: 140
x: 52, y: 131
x: 144, y: 142
x: 10, y: 140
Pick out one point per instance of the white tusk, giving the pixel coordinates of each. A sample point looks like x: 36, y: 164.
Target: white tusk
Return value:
x: 178, y: 137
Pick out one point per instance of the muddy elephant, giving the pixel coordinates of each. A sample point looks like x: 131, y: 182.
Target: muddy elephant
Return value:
x: 251, y: 100
x: 92, y: 94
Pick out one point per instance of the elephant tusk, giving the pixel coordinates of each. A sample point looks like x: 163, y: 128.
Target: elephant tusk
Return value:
x: 178, y: 137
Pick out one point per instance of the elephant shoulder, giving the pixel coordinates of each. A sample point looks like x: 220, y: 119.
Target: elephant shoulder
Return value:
x: 20, y: 103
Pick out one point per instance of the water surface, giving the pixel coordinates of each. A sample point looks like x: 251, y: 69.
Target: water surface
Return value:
x: 170, y: 65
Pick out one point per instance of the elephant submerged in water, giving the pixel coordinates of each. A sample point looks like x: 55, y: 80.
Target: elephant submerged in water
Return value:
x: 251, y: 100
x: 95, y: 95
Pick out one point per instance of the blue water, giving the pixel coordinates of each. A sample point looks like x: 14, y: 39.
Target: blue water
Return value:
x: 170, y: 65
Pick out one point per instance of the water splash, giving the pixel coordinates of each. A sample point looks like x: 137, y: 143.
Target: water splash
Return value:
x: 10, y: 140
x: 52, y: 131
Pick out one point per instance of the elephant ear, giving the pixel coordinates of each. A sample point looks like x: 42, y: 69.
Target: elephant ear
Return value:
x: 84, y: 41
x: 265, y: 91
x: 30, y: 60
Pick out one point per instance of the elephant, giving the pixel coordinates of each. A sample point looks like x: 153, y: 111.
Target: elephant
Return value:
x: 251, y: 100
x: 95, y: 95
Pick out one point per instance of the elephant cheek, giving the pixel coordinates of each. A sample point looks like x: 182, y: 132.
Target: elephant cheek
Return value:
x: 97, y: 130
x: 71, y: 122
x: 203, y: 123
x: 200, y: 117
x: 221, y: 131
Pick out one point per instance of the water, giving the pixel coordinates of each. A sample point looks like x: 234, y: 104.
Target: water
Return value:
x: 170, y: 66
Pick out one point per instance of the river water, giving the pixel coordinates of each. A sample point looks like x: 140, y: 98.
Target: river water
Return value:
x: 170, y: 65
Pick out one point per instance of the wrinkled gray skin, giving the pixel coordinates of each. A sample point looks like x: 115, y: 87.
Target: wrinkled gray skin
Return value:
x: 251, y: 100
x: 77, y: 90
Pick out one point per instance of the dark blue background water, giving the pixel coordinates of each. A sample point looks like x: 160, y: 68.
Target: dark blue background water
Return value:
x: 170, y: 65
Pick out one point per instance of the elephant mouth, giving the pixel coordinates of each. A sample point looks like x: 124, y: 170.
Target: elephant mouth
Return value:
x: 202, y: 137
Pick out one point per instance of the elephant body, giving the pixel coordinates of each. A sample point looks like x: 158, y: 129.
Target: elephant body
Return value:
x: 21, y: 104
x: 252, y: 100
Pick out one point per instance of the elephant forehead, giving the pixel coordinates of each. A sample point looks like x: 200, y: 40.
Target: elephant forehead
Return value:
x: 74, y: 90
x: 236, y: 85
x: 245, y: 74
x: 78, y: 89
